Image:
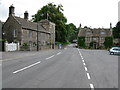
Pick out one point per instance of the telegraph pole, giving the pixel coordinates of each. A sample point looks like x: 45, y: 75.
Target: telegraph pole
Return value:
x: 37, y: 36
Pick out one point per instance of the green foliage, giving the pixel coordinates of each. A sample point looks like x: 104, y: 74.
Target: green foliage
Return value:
x: 81, y: 42
x: 63, y: 43
x: 25, y: 46
x: 116, y: 30
x: 108, y: 42
x: 72, y: 32
x: 91, y: 44
x: 56, y: 16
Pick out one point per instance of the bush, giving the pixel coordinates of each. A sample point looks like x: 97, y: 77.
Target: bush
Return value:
x: 108, y: 42
x: 81, y: 42
x: 63, y: 43
x: 25, y: 46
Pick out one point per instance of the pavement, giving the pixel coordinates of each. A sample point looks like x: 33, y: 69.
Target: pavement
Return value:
x: 63, y: 68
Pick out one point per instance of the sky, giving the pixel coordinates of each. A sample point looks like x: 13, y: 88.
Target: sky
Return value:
x: 91, y: 13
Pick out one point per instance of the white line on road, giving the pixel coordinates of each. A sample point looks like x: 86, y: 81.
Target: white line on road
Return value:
x: 86, y: 69
x: 65, y: 48
x: 84, y: 64
x: 91, y: 86
x: 26, y: 67
x: 83, y: 61
x: 50, y: 57
x: 59, y: 53
x: 88, y: 75
x: 82, y: 57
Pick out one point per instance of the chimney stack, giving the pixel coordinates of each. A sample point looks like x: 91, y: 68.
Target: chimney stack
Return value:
x: 26, y: 15
x: 11, y: 10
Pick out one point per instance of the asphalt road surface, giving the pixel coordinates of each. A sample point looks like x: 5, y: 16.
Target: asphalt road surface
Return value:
x: 64, y: 68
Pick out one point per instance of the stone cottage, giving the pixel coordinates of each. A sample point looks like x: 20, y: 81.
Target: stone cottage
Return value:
x: 34, y: 35
x: 95, y: 35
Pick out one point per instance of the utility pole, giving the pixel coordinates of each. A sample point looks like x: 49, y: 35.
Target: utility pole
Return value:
x: 37, y: 36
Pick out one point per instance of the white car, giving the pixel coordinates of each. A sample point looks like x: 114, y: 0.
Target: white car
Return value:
x: 114, y: 50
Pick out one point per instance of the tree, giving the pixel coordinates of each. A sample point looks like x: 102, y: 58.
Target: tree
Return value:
x: 54, y: 13
x: 116, y: 30
x: 81, y: 42
x: 108, y: 42
x: 72, y: 32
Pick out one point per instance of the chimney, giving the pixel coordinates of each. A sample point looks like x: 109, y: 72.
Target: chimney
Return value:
x: 26, y: 15
x: 110, y: 25
x: 111, y: 29
x: 11, y: 10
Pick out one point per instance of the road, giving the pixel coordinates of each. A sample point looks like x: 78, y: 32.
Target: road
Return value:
x: 64, y: 68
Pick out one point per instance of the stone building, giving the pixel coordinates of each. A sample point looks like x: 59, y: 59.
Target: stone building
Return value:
x: 95, y: 35
x: 36, y: 35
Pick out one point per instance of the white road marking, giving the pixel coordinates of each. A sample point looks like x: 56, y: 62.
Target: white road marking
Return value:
x: 92, y: 86
x: 59, y: 53
x: 86, y: 69
x: 50, y: 57
x: 83, y: 61
x: 84, y: 64
x: 26, y: 67
x: 88, y: 75
x: 82, y: 57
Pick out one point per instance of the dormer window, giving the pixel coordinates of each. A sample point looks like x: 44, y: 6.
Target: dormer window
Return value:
x: 102, y: 32
x: 88, y: 33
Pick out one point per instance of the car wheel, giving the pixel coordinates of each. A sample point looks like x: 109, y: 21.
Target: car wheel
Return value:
x: 111, y: 53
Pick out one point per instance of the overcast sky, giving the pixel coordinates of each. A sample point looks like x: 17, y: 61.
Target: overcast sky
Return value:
x: 92, y: 13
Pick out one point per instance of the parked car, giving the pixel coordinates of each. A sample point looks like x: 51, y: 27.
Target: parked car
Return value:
x: 114, y: 50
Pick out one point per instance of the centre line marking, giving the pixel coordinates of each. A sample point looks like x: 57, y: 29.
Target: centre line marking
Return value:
x: 86, y: 69
x: 84, y: 64
x: 50, y: 57
x: 26, y: 67
x: 82, y: 57
x: 91, y: 86
x: 59, y: 53
x: 83, y: 61
x: 88, y: 75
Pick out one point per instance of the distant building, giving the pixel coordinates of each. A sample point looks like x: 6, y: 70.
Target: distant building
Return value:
x: 96, y: 35
x: 21, y: 30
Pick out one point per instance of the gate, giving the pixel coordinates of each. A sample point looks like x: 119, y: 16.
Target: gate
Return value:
x: 11, y: 46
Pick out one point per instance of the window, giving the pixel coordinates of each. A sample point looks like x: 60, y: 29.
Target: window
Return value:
x: 102, y: 32
x: 89, y: 33
x: 15, y: 33
x: 30, y: 34
x: 95, y: 39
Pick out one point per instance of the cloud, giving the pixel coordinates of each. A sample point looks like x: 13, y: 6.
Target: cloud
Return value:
x: 95, y: 13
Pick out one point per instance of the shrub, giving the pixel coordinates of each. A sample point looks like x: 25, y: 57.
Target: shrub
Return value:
x: 81, y: 42
x: 108, y: 42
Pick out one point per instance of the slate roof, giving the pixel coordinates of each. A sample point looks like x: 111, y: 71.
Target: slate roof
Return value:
x: 95, y: 31
x: 30, y: 25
